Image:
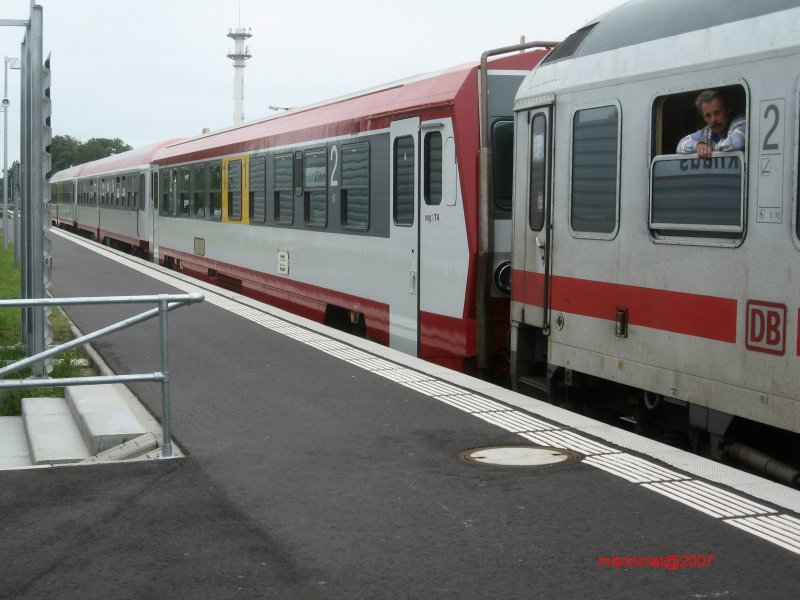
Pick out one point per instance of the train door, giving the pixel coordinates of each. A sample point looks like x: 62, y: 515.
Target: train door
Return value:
x: 404, y: 276
x: 152, y: 203
x: 235, y: 192
x: 138, y: 183
x: 539, y: 227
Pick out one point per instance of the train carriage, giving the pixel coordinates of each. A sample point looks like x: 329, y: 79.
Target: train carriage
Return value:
x: 665, y: 285
x: 386, y: 213
x: 106, y: 199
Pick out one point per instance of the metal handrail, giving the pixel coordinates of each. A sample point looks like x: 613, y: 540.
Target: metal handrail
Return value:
x: 166, y: 303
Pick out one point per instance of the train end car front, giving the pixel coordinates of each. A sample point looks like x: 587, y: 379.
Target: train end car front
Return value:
x: 650, y: 283
x: 63, y: 190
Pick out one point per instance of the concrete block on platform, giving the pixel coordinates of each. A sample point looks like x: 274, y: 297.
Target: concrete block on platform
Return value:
x: 52, y: 435
x: 14, y: 451
x: 103, y: 416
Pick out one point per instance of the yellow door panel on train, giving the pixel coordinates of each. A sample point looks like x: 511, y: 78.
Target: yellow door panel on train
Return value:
x: 235, y: 190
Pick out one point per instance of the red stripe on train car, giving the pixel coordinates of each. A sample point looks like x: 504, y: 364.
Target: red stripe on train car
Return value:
x: 709, y: 317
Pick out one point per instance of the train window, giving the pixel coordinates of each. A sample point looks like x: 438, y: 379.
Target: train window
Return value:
x: 538, y: 186
x: 215, y: 190
x: 258, y: 192
x: 124, y: 192
x: 161, y: 202
x: 284, y: 180
x: 235, y: 190
x: 185, y: 192
x: 315, y: 195
x: 199, y: 191
x: 120, y: 192
x: 432, y: 187
x: 298, y: 174
x: 131, y: 192
x: 503, y: 162
x: 595, y: 168
x: 165, y: 186
x: 693, y: 198
x: 138, y: 192
x: 404, y: 180
x: 676, y: 115
x: 355, y: 186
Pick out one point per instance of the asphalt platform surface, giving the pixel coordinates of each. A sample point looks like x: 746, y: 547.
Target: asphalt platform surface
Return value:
x: 306, y: 477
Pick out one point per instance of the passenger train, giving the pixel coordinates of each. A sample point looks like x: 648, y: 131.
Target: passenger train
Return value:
x: 657, y: 284
x: 661, y: 283
x: 365, y: 212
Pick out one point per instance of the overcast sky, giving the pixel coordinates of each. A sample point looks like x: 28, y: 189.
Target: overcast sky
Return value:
x: 148, y: 70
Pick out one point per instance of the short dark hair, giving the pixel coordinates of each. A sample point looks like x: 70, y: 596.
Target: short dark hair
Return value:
x: 708, y: 96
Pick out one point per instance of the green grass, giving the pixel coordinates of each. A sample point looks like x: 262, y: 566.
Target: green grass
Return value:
x: 11, y: 347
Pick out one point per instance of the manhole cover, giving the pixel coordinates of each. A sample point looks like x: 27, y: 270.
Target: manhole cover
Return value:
x: 519, y: 456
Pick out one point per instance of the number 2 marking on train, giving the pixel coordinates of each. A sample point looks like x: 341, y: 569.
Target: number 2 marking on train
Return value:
x: 335, y: 161
x: 773, y: 110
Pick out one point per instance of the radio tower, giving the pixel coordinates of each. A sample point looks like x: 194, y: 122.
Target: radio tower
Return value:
x: 239, y: 55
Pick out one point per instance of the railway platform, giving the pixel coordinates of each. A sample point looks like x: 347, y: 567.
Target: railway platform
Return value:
x: 318, y: 465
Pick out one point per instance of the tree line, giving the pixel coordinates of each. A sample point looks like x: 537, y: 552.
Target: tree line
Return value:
x: 67, y: 151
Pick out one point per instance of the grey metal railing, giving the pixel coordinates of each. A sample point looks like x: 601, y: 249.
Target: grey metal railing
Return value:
x: 165, y: 302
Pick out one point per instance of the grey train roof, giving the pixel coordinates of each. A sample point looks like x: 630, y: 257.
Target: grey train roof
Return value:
x: 641, y: 21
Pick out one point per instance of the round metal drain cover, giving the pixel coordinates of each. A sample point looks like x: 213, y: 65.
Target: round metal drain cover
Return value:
x: 519, y: 456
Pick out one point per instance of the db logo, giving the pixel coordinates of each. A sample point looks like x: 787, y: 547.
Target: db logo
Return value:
x: 766, y: 327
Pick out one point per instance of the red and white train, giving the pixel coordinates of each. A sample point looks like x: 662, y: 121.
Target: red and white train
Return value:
x: 663, y: 284
x: 658, y: 284
x: 365, y: 212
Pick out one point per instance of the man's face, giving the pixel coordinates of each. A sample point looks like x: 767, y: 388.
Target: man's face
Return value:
x: 715, y: 116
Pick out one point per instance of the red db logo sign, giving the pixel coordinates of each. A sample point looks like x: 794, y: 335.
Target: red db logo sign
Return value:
x: 766, y: 327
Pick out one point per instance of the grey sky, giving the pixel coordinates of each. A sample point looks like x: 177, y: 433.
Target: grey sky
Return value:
x: 147, y: 70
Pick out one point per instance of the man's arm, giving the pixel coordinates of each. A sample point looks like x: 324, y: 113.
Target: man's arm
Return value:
x: 689, y: 144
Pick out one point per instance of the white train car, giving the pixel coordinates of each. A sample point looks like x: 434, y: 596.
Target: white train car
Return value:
x: 107, y: 199
x: 386, y: 213
x: 668, y: 283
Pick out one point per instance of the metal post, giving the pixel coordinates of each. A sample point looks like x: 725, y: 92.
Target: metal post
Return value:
x: 37, y: 185
x: 5, y: 156
x: 15, y: 194
x: 166, y: 442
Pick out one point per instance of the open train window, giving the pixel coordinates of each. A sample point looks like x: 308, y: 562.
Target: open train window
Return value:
x: 676, y: 115
x: 693, y: 200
